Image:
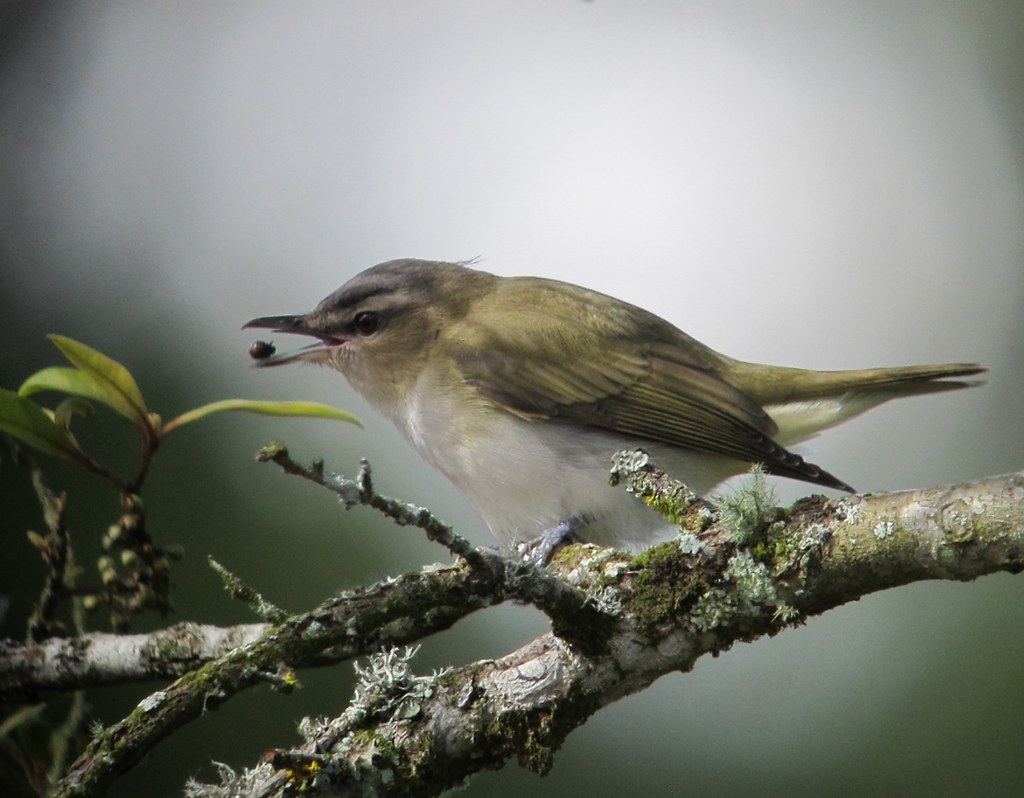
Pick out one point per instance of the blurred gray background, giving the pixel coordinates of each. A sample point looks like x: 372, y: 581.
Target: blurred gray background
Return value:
x: 822, y: 185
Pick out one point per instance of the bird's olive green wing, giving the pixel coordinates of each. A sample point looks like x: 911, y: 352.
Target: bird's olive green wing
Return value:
x: 585, y: 358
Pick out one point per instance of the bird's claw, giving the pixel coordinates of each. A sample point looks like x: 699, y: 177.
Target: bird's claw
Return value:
x: 540, y: 550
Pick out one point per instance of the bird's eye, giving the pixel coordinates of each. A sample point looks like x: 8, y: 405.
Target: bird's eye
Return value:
x: 366, y: 322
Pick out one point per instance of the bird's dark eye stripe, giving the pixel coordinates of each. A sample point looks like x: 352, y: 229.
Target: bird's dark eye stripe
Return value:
x: 366, y: 322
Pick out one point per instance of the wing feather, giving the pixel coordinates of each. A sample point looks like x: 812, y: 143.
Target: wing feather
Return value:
x: 633, y: 373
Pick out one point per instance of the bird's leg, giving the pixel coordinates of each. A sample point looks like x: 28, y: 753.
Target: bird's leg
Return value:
x: 541, y: 548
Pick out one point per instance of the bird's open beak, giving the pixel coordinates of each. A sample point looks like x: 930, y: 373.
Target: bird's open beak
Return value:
x: 318, y: 352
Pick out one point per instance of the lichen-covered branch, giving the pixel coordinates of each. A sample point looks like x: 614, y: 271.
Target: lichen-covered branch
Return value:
x: 386, y: 614
x: 744, y: 568
x: 671, y: 605
x: 30, y: 671
x: 396, y: 611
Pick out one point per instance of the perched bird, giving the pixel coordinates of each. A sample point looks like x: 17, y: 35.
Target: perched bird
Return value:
x: 520, y: 390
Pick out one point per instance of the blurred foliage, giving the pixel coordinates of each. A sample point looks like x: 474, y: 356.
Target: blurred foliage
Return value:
x: 134, y: 568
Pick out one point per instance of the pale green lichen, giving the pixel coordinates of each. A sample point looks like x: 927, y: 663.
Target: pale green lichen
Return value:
x: 627, y: 463
x: 748, y: 511
x: 847, y: 512
x: 754, y: 585
x: 712, y: 609
x: 387, y: 686
x: 785, y: 613
x: 615, y: 569
x: 814, y: 536
x: 607, y: 600
x: 808, y: 547
x: 151, y: 702
x: 668, y: 497
x: 753, y: 591
x: 689, y: 543
x: 228, y: 779
x: 884, y: 529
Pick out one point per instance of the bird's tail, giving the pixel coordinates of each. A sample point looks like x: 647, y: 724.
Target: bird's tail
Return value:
x: 803, y: 403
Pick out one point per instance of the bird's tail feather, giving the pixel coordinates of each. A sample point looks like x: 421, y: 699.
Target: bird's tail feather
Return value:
x: 803, y: 403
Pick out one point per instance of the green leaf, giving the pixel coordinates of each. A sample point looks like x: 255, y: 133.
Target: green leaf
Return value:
x: 28, y: 422
x: 68, y: 380
x: 70, y: 407
x: 307, y: 409
x: 114, y: 381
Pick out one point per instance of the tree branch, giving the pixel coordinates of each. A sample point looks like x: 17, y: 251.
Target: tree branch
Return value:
x: 676, y: 607
x: 619, y: 623
x: 99, y: 659
x: 384, y: 614
x: 387, y: 614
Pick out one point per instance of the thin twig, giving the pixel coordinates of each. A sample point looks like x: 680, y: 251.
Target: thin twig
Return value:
x: 244, y: 593
x: 360, y: 491
x: 55, y: 549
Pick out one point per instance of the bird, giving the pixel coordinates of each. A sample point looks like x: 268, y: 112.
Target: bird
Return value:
x: 521, y: 389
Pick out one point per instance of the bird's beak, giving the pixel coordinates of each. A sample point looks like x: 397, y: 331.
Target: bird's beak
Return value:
x: 318, y: 352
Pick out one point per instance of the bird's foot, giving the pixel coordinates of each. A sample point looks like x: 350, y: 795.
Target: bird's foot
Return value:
x: 540, y: 550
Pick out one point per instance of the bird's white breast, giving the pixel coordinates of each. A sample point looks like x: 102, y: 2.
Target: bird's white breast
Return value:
x: 526, y: 476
